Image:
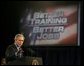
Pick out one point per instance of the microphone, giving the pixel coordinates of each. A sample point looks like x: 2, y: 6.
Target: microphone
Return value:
x: 20, y: 50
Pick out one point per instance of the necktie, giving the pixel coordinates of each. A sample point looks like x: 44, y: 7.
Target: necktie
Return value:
x: 20, y: 53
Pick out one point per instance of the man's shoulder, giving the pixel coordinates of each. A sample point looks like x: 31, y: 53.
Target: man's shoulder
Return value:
x: 10, y: 46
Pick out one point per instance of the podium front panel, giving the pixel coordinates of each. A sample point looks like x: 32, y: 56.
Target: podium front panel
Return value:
x: 33, y: 61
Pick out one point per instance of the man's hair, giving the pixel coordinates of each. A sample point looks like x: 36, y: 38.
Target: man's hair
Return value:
x: 19, y: 35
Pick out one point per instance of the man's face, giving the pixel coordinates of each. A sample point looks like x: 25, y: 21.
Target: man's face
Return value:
x: 19, y: 41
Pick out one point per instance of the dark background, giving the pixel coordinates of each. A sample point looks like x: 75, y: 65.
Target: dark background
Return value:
x: 10, y: 15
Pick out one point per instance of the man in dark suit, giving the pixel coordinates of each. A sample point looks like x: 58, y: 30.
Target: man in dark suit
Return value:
x: 14, y: 51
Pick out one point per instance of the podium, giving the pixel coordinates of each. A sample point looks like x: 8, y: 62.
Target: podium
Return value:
x: 33, y: 61
x: 27, y: 61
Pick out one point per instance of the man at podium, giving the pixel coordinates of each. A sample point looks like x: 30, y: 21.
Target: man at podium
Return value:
x: 14, y: 54
x: 14, y: 51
